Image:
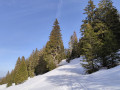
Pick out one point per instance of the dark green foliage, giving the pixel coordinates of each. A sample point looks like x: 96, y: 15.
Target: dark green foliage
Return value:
x: 90, y: 39
x: 74, y: 46
x: 21, y: 73
x: 100, y: 36
x: 80, y: 46
x: 41, y: 68
x: 108, y: 14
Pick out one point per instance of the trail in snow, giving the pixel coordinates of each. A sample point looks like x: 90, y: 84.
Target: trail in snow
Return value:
x: 70, y: 76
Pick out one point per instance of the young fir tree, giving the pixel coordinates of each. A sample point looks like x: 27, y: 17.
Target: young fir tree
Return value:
x: 7, y: 77
x: 35, y: 58
x: 54, y: 51
x: 91, y: 44
x: 9, y: 83
x: 41, y: 68
x: 67, y: 53
x: 80, y: 46
x: 33, y: 62
x: 11, y: 78
x: 16, y: 69
x: 74, y: 46
x: 31, y: 66
x: 17, y: 64
x: 22, y: 73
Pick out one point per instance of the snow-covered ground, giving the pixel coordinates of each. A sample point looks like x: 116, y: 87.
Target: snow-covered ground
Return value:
x: 2, y: 87
x: 70, y: 76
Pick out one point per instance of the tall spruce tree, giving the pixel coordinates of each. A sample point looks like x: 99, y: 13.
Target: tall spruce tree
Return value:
x: 22, y: 73
x: 73, y: 46
x: 16, y: 69
x: 54, y: 51
x: 90, y: 39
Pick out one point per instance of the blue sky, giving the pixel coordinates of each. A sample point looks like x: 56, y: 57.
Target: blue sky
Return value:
x: 26, y: 25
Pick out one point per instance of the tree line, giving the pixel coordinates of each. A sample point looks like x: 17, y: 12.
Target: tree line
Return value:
x: 99, y: 45
x: 40, y: 61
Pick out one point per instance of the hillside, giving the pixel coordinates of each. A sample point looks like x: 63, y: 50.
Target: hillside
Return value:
x: 71, y: 77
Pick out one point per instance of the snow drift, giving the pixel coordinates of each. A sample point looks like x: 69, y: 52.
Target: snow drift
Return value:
x: 70, y: 76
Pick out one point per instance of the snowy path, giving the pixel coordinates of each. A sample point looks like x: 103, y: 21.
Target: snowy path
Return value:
x: 70, y: 77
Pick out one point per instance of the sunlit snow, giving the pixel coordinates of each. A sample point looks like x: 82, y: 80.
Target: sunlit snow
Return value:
x: 70, y: 76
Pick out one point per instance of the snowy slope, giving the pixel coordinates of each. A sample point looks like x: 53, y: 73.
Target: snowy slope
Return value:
x: 2, y: 86
x: 71, y: 77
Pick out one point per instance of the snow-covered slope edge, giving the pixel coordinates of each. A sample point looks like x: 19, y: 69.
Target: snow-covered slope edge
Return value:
x: 70, y: 76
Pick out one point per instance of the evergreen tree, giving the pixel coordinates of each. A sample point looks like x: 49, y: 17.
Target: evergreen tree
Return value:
x: 108, y: 14
x: 3, y: 81
x: 12, y: 76
x: 54, y: 51
x: 17, y: 64
x: 98, y: 30
x: 33, y: 62
x: 90, y: 40
x: 9, y: 83
x: 35, y: 58
x: 91, y: 44
x: 74, y: 46
x: 42, y: 64
x: 67, y: 53
x: 16, y: 69
x: 21, y: 74
x: 31, y: 66
x: 80, y: 46
x: 90, y: 12
x: 7, y: 76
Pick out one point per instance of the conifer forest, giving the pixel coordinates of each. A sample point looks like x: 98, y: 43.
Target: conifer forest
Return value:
x: 99, y: 44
